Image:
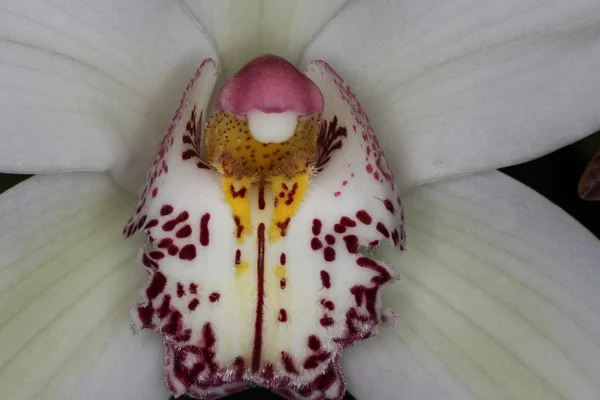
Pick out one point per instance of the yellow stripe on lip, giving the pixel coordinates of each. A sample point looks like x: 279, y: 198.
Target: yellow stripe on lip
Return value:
x: 283, y: 168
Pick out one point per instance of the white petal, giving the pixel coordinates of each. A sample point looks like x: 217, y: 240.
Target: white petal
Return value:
x: 87, y: 85
x: 67, y: 283
x: 242, y: 30
x: 498, y: 298
x: 461, y: 87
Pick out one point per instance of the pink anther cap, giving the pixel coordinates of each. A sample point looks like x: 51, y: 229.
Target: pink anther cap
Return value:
x: 270, y: 84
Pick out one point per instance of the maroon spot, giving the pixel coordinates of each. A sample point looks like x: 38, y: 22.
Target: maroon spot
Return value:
x: 347, y: 222
x: 376, y: 175
x: 316, y: 244
x: 154, y: 192
x: 193, y: 288
x: 170, y: 225
x: 383, y: 230
x: 283, y: 226
x: 326, y: 321
x: 282, y: 283
x: 214, y: 297
x: 145, y: 314
x: 186, y: 155
x: 188, y: 252
x: 166, y: 210
x: 180, y: 290
x: 324, y: 381
x: 374, y: 243
x: 351, y: 243
x: 151, y: 224
x: 208, y: 335
x: 173, y: 250
x: 204, y: 232
x: 325, y: 279
x: 288, y: 363
x: 329, y: 254
x: 193, y: 304
x: 314, y: 343
x: 384, y: 274
x: 339, y: 228
x: 316, y: 226
x: 344, y: 183
x: 311, y: 363
x: 184, y: 232
x: 164, y: 308
x: 239, y: 226
x: 239, y: 366
x: 165, y: 243
x: 282, y: 317
x: 157, y: 255
x: 260, y: 299
x: 128, y: 230
x: 157, y: 285
x: 337, y: 194
x: 328, y: 304
x: 282, y: 259
x: 395, y: 237
x: 268, y: 372
x: 141, y: 222
x: 388, y: 204
x: 369, y: 168
x: 148, y: 262
x: 239, y: 193
x: 238, y: 257
x: 364, y: 217
x: 291, y: 194
x: 330, y: 139
x: 330, y: 239
x: 261, y: 196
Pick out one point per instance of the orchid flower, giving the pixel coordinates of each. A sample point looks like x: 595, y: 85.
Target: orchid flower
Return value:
x: 498, y: 292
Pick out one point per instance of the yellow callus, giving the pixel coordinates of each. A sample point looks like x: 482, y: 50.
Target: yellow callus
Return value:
x: 280, y: 171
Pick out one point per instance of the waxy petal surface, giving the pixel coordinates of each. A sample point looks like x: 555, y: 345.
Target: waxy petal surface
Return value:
x: 498, y: 299
x: 87, y: 85
x: 242, y: 30
x: 66, y: 288
x: 468, y: 86
x: 263, y: 283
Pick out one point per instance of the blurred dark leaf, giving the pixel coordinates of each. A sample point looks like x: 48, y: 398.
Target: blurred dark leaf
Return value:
x: 589, y: 185
x: 556, y: 177
x: 9, y: 180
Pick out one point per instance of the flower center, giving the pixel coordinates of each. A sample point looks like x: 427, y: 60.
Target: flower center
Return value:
x: 263, y: 137
x: 235, y: 152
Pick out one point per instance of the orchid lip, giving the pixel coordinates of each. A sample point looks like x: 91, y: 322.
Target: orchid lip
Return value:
x: 256, y: 277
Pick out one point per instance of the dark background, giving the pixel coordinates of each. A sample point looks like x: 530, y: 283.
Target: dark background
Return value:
x: 554, y: 176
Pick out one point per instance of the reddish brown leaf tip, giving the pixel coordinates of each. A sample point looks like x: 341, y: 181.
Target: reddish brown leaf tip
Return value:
x: 589, y: 184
